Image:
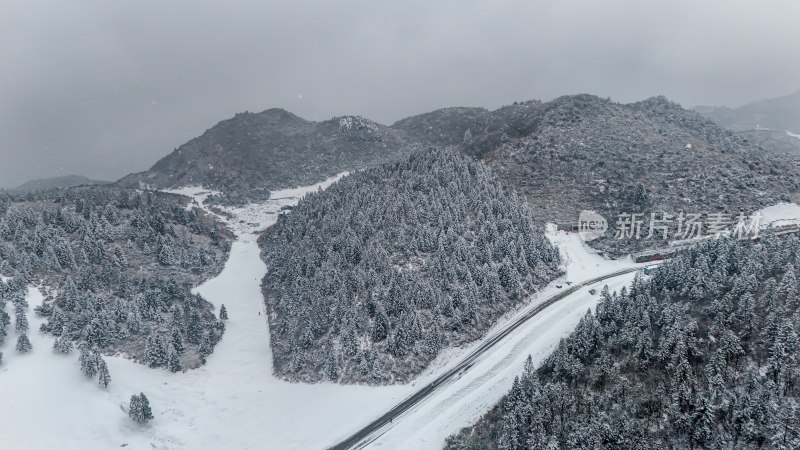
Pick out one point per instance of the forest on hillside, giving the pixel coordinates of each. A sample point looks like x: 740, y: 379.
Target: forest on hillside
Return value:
x: 118, y: 266
x: 703, y: 355
x: 368, y: 280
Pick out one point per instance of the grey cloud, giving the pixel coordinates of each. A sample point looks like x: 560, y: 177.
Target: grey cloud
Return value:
x: 105, y: 88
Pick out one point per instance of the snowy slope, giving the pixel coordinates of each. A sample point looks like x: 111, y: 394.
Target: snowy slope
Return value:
x: 233, y: 401
x: 780, y: 214
x: 464, y: 401
x: 793, y: 135
x: 254, y: 217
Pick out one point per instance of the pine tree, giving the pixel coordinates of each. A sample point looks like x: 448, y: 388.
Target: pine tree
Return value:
x: 223, y: 313
x: 139, y: 409
x: 102, y: 369
x: 177, y: 341
x: 155, y: 351
x: 24, y: 344
x: 88, y: 361
x: 62, y: 344
x: 174, y: 362
x: 166, y: 255
x: 205, y: 346
x: 194, y: 330
x: 21, y: 324
x: 146, y: 412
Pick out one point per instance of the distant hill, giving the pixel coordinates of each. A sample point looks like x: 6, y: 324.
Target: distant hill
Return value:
x: 782, y: 114
x: 67, y: 181
x: 250, y: 154
x: 764, y: 123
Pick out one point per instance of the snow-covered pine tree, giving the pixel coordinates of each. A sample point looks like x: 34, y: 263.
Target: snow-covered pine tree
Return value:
x: 205, y: 346
x: 88, y: 361
x: 174, y: 362
x: 177, y: 341
x: 155, y: 351
x: 223, y: 312
x: 62, y: 344
x: 104, y: 378
x: 24, y: 344
x: 139, y: 409
x: 21, y: 322
x: 135, y: 408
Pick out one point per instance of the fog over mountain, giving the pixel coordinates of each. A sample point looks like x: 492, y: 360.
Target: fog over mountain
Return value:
x: 103, y: 89
x: 774, y: 123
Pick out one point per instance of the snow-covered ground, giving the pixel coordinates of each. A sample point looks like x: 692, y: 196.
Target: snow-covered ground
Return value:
x: 254, y: 217
x: 235, y: 402
x: 464, y: 401
x: 793, y: 135
x: 582, y: 262
x: 780, y: 214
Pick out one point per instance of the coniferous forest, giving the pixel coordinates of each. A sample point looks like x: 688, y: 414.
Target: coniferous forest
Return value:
x: 370, y: 279
x: 703, y: 355
x: 117, y: 265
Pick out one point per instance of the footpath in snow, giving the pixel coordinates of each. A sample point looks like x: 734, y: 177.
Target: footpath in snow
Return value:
x: 234, y: 401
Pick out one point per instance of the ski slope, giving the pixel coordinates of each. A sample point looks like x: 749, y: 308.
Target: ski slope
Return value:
x: 234, y: 401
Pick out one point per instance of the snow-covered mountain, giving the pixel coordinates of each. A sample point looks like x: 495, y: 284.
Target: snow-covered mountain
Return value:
x: 67, y: 181
x: 771, y: 123
x: 570, y: 154
x: 247, y: 156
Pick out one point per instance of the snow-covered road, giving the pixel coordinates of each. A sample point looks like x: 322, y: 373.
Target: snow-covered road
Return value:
x: 476, y: 391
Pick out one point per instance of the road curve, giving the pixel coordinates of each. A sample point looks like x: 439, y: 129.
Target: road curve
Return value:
x: 356, y: 439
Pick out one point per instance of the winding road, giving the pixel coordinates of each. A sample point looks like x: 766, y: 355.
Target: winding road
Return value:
x: 368, y: 434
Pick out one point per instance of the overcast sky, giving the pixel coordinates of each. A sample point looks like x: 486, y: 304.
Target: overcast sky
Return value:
x: 107, y: 87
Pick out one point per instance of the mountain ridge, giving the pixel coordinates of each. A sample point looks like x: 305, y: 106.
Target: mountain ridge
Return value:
x: 573, y: 153
x: 66, y: 181
x: 766, y: 123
